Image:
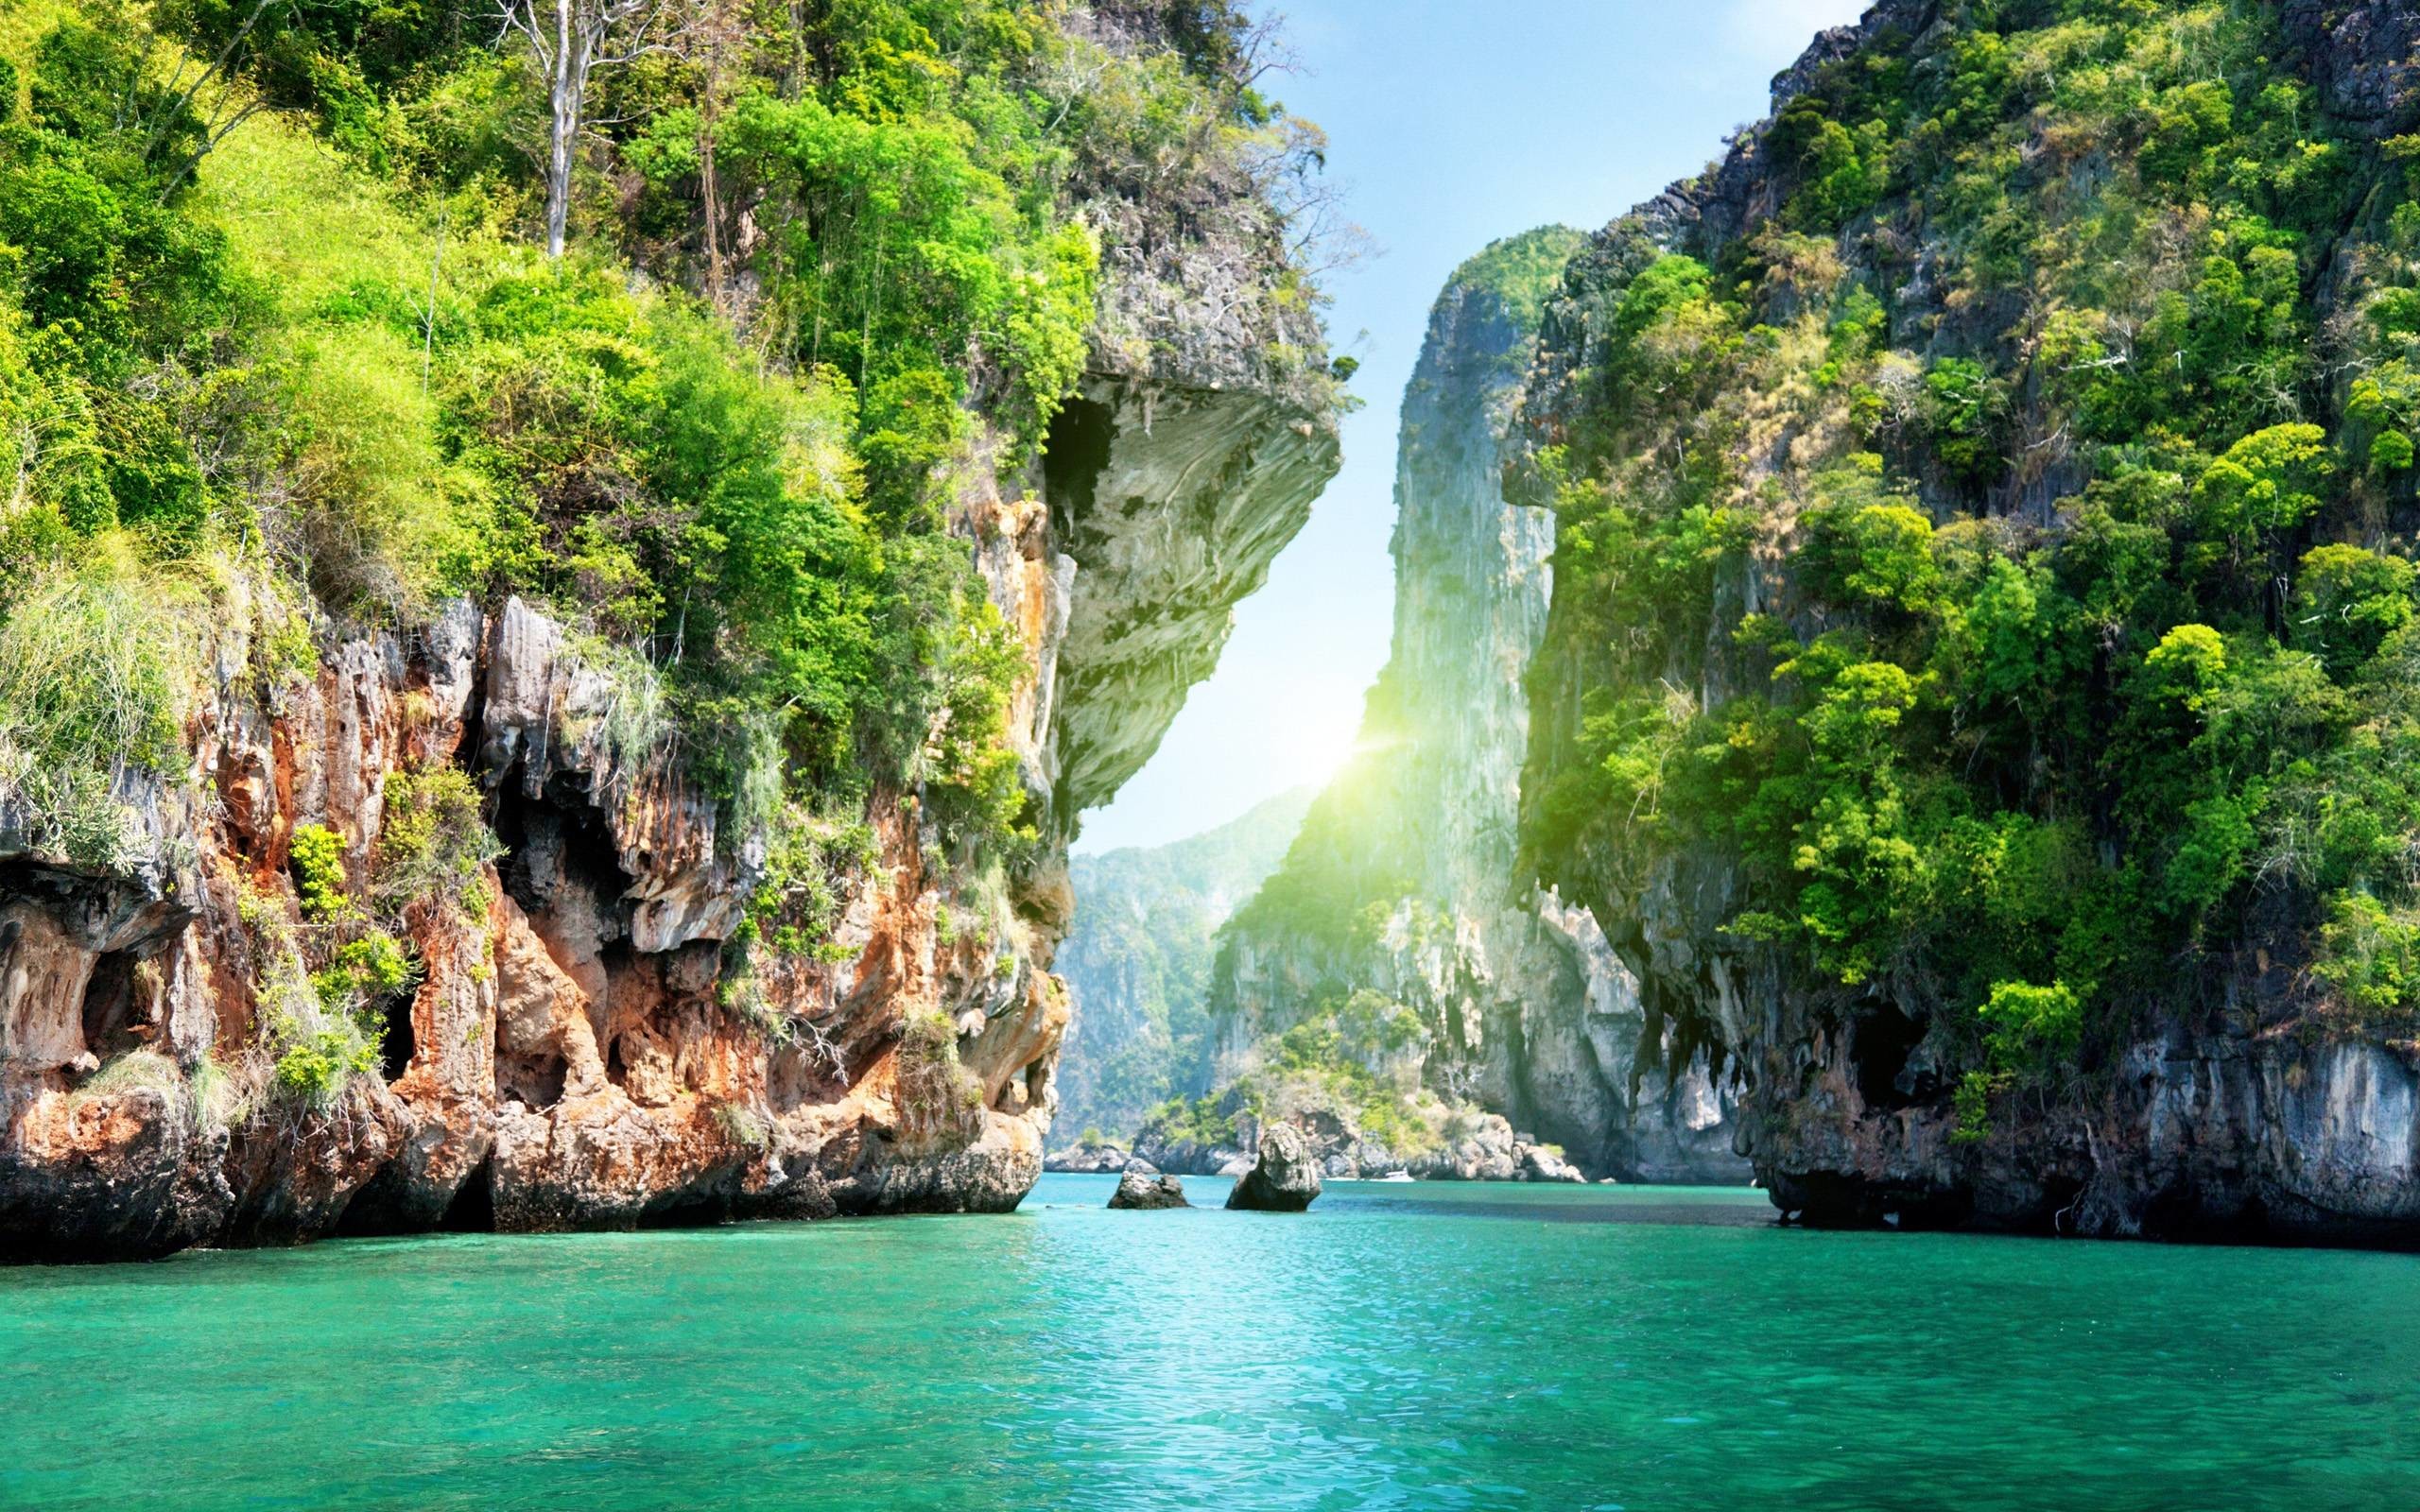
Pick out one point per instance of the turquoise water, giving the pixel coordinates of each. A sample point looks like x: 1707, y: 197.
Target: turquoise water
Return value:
x: 1397, y: 1347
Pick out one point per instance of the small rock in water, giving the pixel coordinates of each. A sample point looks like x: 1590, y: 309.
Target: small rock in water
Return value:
x: 1142, y: 1187
x: 1286, y: 1178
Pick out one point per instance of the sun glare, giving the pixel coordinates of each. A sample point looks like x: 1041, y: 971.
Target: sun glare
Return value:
x: 1317, y: 750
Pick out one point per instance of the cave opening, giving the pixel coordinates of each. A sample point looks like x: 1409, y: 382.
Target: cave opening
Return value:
x: 1075, y: 455
x: 1880, y: 1045
x: 550, y: 839
x: 535, y: 1081
x: 696, y: 1207
x: 473, y: 1209
x: 108, y: 1011
x: 397, y: 1042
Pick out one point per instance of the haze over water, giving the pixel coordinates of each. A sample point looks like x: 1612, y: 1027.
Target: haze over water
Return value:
x: 1429, y: 1347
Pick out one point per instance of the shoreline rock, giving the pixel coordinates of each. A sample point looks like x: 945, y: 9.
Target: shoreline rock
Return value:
x: 1284, y: 1179
x: 1142, y: 1188
x: 1092, y: 1159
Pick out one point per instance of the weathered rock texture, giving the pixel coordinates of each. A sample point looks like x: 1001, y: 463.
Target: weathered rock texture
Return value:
x: 1286, y: 1178
x: 1405, y: 882
x: 1145, y: 1189
x: 1087, y: 1157
x: 2229, y: 1120
x: 569, y: 1059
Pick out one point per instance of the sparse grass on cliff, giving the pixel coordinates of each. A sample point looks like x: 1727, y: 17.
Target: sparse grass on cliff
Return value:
x: 939, y: 1098
x: 95, y: 672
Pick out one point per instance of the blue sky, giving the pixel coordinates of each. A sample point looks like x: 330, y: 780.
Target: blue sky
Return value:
x: 1451, y: 123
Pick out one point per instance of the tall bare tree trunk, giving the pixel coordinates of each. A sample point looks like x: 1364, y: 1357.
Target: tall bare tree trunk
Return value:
x: 565, y: 104
x: 582, y: 30
x: 719, y: 35
x: 574, y: 47
x: 714, y: 212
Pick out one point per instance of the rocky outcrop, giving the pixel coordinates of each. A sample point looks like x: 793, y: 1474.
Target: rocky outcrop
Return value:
x: 576, y: 1052
x: 1089, y: 1159
x: 2222, y: 1108
x: 1171, y: 504
x: 1286, y: 1178
x: 1144, y: 1189
x: 1403, y: 897
x: 1472, y: 1147
x: 1168, y: 1150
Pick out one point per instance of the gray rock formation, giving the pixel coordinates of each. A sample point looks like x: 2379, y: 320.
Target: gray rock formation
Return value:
x: 1089, y: 1159
x: 1404, y: 894
x: 1145, y: 1189
x: 1286, y: 1178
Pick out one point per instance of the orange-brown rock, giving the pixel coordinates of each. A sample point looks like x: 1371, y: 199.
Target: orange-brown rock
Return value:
x: 573, y: 1053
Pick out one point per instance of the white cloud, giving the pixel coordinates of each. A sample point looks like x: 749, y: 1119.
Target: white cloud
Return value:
x: 1784, y: 28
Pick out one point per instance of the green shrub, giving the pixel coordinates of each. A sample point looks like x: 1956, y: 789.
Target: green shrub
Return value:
x: 315, y: 1049
x: 801, y: 891
x: 94, y: 671
x: 434, y: 844
x: 315, y: 1068
x: 938, y: 1097
x: 364, y: 973
x: 1965, y: 410
x: 317, y: 858
x: 2370, y: 956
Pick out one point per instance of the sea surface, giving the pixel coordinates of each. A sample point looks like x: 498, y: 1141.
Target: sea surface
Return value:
x: 1397, y: 1347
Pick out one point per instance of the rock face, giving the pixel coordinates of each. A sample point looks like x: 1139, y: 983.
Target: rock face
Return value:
x: 1403, y: 901
x: 1138, y: 962
x: 575, y: 1053
x: 1089, y: 1159
x: 1173, y: 503
x: 1286, y: 1178
x: 2224, y: 1114
x: 1143, y: 1188
x: 1472, y: 1147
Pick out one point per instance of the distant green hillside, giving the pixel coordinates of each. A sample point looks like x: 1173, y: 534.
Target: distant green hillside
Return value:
x: 1138, y: 962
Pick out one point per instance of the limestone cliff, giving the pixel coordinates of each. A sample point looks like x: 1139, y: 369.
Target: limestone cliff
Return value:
x: 576, y: 1041
x: 1398, y: 925
x: 2223, y: 1080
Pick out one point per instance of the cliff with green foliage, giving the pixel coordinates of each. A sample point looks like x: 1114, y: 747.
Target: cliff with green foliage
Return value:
x: 1137, y: 958
x: 1396, y: 986
x: 1978, y: 690
x: 561, y: 590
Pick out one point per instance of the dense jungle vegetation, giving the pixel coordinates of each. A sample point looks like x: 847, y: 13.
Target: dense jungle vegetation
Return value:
x: 282, y: 341
x: 698, y: 324
x: 2001, y: 555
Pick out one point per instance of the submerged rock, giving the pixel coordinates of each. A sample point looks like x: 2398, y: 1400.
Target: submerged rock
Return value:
x: 1286, y: 1178
x: 1143, y: 1188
